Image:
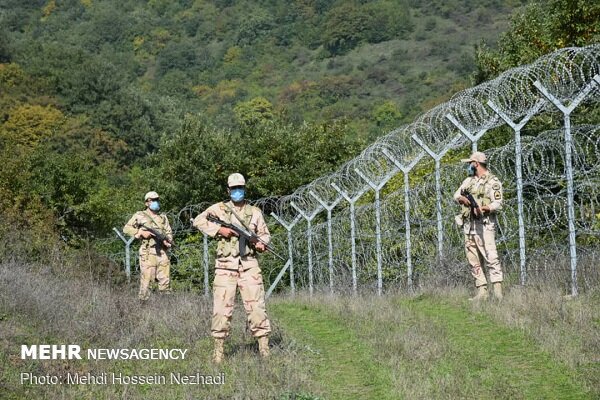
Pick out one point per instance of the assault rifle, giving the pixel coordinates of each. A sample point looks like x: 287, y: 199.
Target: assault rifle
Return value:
x: 475, y: 210
x: 245, y: 236
x: 159, y: 237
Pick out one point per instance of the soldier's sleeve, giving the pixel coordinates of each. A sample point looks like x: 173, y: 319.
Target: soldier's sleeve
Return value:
x: 168, y: 230
x: 203, y: 225
x: 129, y: 228
x: 261, y: 228
x: 460, y: 188
x: 494, y: 192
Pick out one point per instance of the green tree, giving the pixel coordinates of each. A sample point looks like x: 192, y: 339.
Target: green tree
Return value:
x: 537, y: 30
x: 254, y: 25
x: 387, y: 114
x: 345, y: 27
x: 275, y: 157
x: 28, y: 124
x: 5, y: 48
x: 253, y: 112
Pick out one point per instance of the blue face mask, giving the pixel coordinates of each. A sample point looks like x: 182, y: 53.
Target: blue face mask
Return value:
x: 154, y: 205
x: 237, y: 195
x: 471, y: 170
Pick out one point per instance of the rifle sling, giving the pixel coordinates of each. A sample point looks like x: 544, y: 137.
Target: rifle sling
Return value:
x: 241, y: 239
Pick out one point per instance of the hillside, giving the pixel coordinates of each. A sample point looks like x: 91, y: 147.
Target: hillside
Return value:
x: 131, y: 87
x: 377, y: 63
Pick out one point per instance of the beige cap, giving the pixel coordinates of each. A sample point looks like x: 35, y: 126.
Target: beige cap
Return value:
x: 236, y: 179
x: 151, y: 195
x: 477, y: 156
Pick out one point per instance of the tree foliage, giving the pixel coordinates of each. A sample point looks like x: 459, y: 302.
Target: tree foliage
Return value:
x: 276, y: 158
x: 538, y: 29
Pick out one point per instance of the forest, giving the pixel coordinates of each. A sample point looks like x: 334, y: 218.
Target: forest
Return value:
x: 104, y: 100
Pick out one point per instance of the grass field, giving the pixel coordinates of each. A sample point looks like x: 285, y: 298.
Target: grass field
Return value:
x: 430, y: 345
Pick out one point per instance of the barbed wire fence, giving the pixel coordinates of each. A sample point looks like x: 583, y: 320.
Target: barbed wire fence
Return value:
x: 353, y: 230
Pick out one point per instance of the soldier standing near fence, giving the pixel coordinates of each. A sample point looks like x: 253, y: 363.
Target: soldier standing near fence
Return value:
x: 237, y: 267
x: 154, y: 260
x: 479, y: 223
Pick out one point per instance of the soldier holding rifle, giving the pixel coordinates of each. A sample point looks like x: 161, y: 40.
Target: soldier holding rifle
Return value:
x: 236, y: 264
x: 154, y: 231
x: 481, y: 197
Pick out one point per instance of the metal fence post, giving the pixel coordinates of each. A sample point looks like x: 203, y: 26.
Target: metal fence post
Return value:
x: 516, y: 127
x: 474, y: 138
x: 329, y: 208
x: 438, y: 189
x: 406, y: 171
x: 127, y: 253
x: 308, y: 219
x: 288, y: 228
x: 352, y: 201
x: 206, y: 267
x: 567, y: 110
x: 377, y: 188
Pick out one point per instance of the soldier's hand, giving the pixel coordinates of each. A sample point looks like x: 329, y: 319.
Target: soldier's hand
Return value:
x: 464, y: 201
x: 167, y: 244
x: 485, y: 209
x: 226, y: 232
x: 143, y: 234
x: 260, y: 247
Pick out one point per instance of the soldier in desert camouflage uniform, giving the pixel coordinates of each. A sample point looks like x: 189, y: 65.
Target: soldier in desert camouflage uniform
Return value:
x: 479, y: 226
x: 154, y: 260
x: 234, y: 270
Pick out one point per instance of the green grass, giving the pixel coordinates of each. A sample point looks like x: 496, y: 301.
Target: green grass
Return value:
x: 504, y: 362
x: 423, y: 347
x: 344, y: 364
x: 535, y: 344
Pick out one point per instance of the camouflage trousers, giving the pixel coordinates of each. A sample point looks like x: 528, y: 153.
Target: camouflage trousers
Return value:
x: 480, y: 247
x: 154, y: 267
x: 252, y: 291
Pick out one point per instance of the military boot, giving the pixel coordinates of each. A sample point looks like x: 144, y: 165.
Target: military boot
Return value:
x: 218, y: 352
x: 263, y: 346
x: 482, y: 293
x: 498, y: 290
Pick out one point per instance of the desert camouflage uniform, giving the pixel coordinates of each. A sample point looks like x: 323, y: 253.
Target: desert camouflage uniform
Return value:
x: 480, y: 233
x: 154, y: 260
x: 233, y: 271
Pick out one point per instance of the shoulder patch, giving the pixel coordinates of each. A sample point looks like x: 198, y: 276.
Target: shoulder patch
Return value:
x: 497, y: 195
x: 496, y: 186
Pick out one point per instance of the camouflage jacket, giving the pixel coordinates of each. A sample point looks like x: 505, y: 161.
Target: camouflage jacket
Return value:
x: 159, y: 222
x: 228, y: 254
x: 487, y: 191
